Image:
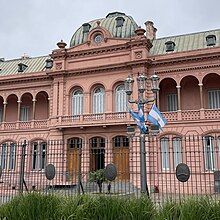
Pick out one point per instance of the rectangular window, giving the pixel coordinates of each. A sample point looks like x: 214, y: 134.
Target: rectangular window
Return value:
x: 24, y: 115
x: 177, y: 152
x: 12, y: 156
x: 4, y: 156
x: 172, y: 102
x: 34, y: 156
x: 209, y: 153
x: 214, y: 99
x: 42, y: 158
x: 39, y: 154
x: 165, y: 154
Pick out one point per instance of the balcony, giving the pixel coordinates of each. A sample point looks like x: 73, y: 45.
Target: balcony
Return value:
x: 114, y: 118
x: 24, y: 125
x: 192, y: 115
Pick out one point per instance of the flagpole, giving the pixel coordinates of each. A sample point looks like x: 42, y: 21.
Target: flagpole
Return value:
x: 143, y: 169
x: 141, y: 101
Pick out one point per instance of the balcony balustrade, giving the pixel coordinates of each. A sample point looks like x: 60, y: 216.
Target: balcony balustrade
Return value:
x: 113, y: 118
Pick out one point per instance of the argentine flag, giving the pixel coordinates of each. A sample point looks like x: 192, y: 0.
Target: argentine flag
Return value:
x: 139, y: 119
x: 156, y: 117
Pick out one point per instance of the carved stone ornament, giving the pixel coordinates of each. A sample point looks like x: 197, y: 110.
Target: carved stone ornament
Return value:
x: 50, y: 171
x: 138, y: 55
x: 110, y: 172
x: 182, y: 172
x: 58, y: 66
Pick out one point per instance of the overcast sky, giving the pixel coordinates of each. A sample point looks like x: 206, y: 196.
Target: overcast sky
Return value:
x: 35, y: 26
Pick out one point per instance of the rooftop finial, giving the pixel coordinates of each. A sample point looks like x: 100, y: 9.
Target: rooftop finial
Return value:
x: 98, y: 23
x: 61, y: 44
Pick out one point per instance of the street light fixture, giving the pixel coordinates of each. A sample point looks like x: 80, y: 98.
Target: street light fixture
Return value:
x: 141, y: 101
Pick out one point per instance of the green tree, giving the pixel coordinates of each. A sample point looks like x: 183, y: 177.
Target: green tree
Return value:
x: 98, y: 176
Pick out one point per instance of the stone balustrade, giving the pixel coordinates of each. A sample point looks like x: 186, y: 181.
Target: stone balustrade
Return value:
x: 108, y: 119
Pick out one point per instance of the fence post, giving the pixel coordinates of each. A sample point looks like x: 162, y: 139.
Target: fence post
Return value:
x: 22, y: 167
x: 79, y: 167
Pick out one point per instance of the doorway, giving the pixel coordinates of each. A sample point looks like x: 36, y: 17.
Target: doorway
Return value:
x: 73, y: 146
x: 121, y: 156
x: 97, y: 153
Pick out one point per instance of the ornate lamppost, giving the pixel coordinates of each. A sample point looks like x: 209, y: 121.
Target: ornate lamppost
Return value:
x: 141, y: 101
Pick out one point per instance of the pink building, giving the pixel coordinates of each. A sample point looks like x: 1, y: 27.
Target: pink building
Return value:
x: 76, y: 95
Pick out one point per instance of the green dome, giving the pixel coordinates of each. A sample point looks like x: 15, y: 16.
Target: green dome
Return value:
x: 123, y: 29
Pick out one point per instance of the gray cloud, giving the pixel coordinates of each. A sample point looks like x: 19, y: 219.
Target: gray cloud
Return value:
x: 35, y: 26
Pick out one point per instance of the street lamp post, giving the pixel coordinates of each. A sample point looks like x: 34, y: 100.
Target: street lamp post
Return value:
x: 141, y: 101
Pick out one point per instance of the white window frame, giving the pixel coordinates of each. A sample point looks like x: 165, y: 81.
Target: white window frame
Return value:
x: 77, y: 102
x: 209, y: 153
x: 172, y: 102
x: 165, y: 159
x: 120, y: 99
x: 98, y: 100
x: 214, y: 99
x: 38, y: 155
x: 8, y: 156
x: 24, y: 113
x: 177, y: 151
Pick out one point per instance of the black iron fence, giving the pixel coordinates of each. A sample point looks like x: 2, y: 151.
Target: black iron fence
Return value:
x: 78, y: 163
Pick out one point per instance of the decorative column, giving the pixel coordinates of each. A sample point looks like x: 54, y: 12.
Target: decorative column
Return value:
x: 201, y: 95
x: 158, y: 99
x: 55, y: 99
x: 34, y: 108
x: 4, y: 111
x: 87, y: 103
x: 108, y: 101
x: 61, y: 98
x: 178, y: 98
x: 49, y: 107
x: 202, y: 111
x: 19, y: 110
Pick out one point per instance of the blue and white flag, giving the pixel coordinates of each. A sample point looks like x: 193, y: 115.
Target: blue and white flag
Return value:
x: 139, y: 119
x: 156, y: 117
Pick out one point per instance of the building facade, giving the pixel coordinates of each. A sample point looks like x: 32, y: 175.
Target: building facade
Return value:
x: 76, y: 95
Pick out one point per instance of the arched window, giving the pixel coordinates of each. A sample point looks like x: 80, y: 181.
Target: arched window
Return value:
x: 74, y: 143
x: 120, y: 99
x: 177, y: 151
x: 77, y: 102
x: 39, y: 152
x: 98, y: 100
x: 165, y: 161
x: 8, y: 156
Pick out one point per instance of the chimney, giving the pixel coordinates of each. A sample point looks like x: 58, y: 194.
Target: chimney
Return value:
x: 150, y: 30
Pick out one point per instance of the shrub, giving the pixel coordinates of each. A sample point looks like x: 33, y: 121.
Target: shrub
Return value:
x: 98, y: 177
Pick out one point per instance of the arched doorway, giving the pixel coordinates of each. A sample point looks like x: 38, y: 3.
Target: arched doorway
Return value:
x: 121, y: 156
x: 73, y: 146
x: 97, y: 153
